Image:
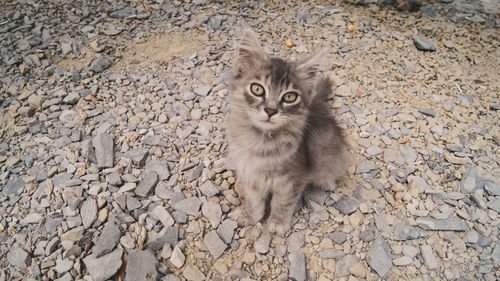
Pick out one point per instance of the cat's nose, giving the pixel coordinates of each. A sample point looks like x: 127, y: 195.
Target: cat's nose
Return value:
x: 270, y: 111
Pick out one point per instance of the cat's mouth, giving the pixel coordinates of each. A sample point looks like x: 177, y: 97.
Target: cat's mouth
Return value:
x: 268, y: 124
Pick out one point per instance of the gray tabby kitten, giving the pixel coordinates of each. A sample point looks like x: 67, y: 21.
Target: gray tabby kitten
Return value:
x: 281, y: 134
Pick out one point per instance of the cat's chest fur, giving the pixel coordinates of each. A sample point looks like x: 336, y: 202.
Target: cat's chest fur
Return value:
x: 260, y: 158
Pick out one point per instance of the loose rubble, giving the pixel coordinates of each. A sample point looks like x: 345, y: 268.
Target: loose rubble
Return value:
x: 113, y: 153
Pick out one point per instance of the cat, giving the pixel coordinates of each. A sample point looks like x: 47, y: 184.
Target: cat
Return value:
x: 281, y: 134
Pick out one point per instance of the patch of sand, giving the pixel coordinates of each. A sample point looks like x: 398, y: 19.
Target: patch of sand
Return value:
x: 158, y: 49
x: 77, y: 63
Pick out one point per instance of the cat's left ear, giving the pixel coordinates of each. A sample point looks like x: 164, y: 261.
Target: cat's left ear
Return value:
x: 310, y: 68
x: 250, y: 52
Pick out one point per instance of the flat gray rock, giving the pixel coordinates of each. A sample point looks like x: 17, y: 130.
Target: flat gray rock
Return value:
x: 410, y: 251
x: 468, y: 184
x: 52, y: 245
x: 70, y: 118
x: 202, y: 91
x: 347, y: 205
x: 171, y: 277
x: 394, y: 156
x: 177, y: 258
x: 190, y: 205
x: 404, y: 232
x: 168, y: 235
x: 17, y: 256
x: 410, y: 154
x: 141, y: 266
x: 187, y: 96
x: 402, y: 261
x: 147, y: 184
x: 424, y: 44
x: 74, y: 234
x: 63, y: 266
x: 297, y: 267
x: 496, y: 254
x: 226, y: 230
x: 338, y: 236
x: 262, y: 244
x: 214, y: 244
x: 138, y: 156
x: 159, y: 168
x: 88, y: 151
x: 417, y: 185
x: 179, y: 216
x: 161, y: 214
x: 495, y: 205
x: 14, y: 185
x: 365, y: 167
x: 492, y: 188
x: 342, y: 266
x: 114, y: 179
x: 108, y: 239
x: 471, y: 237
x: 295, y: 242
x: 209, y: 189
x: 428, y: 256
x: 124, y: 12
x: 427, y: 111
x: 71, y: 98
x: 105, y: 267
x: 367, y: 235
x: 104, y: 150
x: 330, y: 254
x: 101, y: 63
x: 374, y: 150
x: 450, y: 224
x: 155, y: 140
x: 193, y: 273
x: 88, y: 212
x: 379, y: 256
x: 196, y: 114
x: 195, y: 173
x: 213, y: 212
x: 133, y: 203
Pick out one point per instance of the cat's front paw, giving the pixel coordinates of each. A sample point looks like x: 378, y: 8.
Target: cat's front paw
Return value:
x: 241, y: 216
x: 279, y: 227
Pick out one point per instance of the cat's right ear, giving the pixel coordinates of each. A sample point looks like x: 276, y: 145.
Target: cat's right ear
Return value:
x: 250, y: 52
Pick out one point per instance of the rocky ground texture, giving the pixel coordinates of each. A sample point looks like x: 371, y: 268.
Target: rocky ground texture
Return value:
x: 112, y: 148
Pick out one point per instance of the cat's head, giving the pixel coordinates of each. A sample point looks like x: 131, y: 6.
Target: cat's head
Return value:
x: 272, y: 93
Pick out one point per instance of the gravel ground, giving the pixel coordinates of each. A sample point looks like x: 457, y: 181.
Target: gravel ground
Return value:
x: 112, y: 149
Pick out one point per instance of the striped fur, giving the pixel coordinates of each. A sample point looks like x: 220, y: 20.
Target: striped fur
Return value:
x: 276, y: 157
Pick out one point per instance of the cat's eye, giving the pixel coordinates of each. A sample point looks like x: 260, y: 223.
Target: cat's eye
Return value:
x: 290, y: 97
x: 257, y: 89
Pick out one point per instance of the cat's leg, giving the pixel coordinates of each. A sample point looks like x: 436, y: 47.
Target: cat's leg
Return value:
x: 283, y: 204
x: 254, y: 204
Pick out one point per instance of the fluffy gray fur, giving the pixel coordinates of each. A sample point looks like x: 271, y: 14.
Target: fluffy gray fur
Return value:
x: 276, y: 156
